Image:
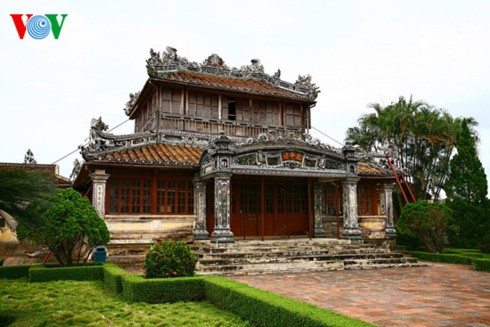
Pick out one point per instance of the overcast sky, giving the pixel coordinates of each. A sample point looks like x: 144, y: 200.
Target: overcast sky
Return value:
x: 358, y: 52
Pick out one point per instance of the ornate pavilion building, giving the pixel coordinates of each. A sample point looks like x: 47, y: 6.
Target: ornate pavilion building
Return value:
x: 224, y: 153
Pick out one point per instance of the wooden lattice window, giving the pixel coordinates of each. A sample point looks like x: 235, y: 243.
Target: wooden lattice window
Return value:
x: 138, y: 196
x: 364, y: 200
x: 332, y: 200
x: 130, y: 196
x: 175, y: 197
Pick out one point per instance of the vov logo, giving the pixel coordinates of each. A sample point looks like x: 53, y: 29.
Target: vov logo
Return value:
x: 39, y: 26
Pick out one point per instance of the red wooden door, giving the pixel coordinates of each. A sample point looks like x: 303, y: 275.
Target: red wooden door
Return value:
x: 247, y: 209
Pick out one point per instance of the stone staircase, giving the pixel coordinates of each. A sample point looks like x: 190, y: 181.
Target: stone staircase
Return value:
x: 295, y: 255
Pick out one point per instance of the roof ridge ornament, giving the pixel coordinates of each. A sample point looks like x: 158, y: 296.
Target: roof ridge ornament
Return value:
x: 159, y: 66
x: 132, y: 100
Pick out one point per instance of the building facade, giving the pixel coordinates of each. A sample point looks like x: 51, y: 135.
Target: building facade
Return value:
x: 225, y: 154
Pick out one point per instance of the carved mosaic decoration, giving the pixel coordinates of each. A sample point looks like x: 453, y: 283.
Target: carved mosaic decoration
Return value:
x: 169, y: 61
x: 271, y: 155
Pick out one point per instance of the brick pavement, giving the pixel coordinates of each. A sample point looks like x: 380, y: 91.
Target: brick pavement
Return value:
x: 441, y: 295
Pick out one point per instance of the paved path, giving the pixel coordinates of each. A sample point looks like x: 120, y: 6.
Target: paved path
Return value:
x: 441, y: 295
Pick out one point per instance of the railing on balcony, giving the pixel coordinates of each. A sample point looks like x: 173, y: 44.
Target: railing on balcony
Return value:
x: 229, y: 127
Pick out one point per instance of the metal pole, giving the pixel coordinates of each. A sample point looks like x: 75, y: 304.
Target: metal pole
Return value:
x: 397, y: 179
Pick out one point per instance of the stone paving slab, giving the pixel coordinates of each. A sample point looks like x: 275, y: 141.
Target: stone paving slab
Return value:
x: 440, y: 295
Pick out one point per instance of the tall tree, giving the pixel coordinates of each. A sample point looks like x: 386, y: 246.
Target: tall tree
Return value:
x: 466, y: 190
x: 29, y: 158
x: 420, y: 136
x: 467, y: 180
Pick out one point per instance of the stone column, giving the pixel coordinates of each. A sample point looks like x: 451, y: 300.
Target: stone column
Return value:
x: 351, y: 222
x: 390, y: 230
x: 222, y: 232
x: 200, y: 232
x: 318, y: 207
x: 99, y: 181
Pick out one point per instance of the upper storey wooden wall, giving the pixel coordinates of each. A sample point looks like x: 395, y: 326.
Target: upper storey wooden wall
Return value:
x: 194, y: 110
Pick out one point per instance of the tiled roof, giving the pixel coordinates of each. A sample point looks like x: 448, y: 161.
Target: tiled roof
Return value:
x: 369, y: 170
x: 154, y: 154
x: 233, y: 84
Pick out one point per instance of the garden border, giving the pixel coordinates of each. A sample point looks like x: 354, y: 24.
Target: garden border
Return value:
x: 259, y: 307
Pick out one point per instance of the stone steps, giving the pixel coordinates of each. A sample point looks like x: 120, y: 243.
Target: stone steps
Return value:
x: 254, y: 257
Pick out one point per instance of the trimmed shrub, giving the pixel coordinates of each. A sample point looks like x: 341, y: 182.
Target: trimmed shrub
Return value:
x: 51, y: 273
x: 1, y: 261
x: 266, y: 309
x: 14, y: 272
x: 162, y: 290
x: 484, y: 244
x: 7, y: 318
x: 447, y: 258
x: 426, y: 220
x: 170, y: 259
x: 482, y: 264
x: 113, y: 278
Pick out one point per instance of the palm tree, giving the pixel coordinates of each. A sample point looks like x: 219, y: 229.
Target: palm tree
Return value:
x: 421, y: 136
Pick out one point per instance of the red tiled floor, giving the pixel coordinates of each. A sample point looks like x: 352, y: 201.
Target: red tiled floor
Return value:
x: 441, y: 295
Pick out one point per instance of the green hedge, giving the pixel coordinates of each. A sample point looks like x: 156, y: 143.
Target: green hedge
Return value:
x: 161, y: 290
x: 266, y: 309
x: 482, y: 264
x: 14, y: 272
x: 51, y: 273
x: 113, y: 275
x: 1, y: 261
x: 438, y: 257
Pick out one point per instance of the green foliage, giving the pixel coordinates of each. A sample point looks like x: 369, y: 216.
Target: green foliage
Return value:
x: 14, y: 272
x: 52, y: 273
x: 466, y: 190
x: 23, y: 194
x: 170, y: 259
x: 71, y: 228
x: 408, y: 239
x: 1, y: 261
x: 467, y: 180
x: 439, y: 257
x: 421, y: 136
x: 113, y: 275
x: 482, y: 264
x: 162, y: 290
x: 426, y: 220
x: 265, y: 309
x: 74, y: 303
x: 484, y: 242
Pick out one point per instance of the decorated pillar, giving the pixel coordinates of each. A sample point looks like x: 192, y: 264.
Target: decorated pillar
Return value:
x: 318, y: 207
x: 387, y: 196
x: 351, y: 222
x: 222, y: 232
x: 99, y: 181
x: 200, y: 232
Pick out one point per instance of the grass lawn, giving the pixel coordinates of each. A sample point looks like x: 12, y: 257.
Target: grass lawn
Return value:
x: 73, y: 303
